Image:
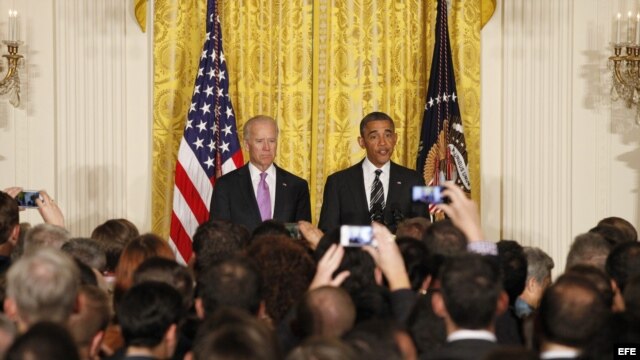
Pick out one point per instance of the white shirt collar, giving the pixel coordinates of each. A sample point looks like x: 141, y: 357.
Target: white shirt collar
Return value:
x: 466, y: 334
x: 554, y: 354
x: 255, y: 172
x: 370, y: 168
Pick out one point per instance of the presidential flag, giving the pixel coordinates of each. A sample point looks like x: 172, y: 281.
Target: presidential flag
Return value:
x: 442, y: 153
x: 210, y: 145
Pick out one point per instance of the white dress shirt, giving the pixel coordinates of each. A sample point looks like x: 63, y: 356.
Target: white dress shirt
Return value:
x: 270, y: 180
x: 369, y: 174
x: 559, y: 354
x: 466, y: 334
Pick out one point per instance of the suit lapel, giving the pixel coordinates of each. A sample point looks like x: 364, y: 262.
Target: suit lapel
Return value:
x: 249, y: 196
x: 281, y: 193
x: 395, y: 184
x: 360, y: 196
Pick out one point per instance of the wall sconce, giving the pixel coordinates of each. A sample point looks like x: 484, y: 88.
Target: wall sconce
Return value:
x: 10, y: 84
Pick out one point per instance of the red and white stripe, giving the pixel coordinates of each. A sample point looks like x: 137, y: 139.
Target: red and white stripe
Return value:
x: 191, y: 198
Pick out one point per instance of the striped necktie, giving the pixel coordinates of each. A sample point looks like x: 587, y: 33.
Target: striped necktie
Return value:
x: 377, y: 194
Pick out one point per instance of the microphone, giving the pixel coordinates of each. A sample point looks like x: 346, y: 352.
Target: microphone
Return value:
x: 396, y: 218
x: 377, y: 213
x: 397, y: 214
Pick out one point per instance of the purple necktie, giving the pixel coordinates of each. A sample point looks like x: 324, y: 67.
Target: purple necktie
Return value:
x: 264, y: 198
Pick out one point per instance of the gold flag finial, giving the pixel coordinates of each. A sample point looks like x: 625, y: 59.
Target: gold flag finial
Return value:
x: 487, y: 7
x: 140, y: 9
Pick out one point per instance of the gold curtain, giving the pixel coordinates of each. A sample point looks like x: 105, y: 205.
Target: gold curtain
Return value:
x: 269, y: 53
x: 317, y: 66
x: 372, y: 56
x: 177, y: 40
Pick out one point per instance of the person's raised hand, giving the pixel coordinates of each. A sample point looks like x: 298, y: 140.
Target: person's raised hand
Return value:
x: 311, y: 233
x: 387, y: 256
x: 13, y: 191
x: 49, y: 210
x: 327, y: 266
x: 462, y: 211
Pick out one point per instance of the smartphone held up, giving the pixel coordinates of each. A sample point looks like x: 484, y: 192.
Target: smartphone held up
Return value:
x: 429, y: 194
x: 294, y: 230
x: 356, y: 236
x: 27, y: 199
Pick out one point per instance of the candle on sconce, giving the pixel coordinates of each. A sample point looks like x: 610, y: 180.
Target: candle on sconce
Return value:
x: 629, y: 32
x: 13, y: 25
x: 637, y: 42
x: 618, y: 28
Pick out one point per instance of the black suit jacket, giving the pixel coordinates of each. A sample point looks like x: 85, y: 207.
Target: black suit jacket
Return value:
x: 234, y: 198
x: 345, y: 201
x: 468, y: 349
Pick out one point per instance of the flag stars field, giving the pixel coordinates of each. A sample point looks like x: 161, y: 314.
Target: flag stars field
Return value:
x: 439, y: 99
x: 205, y: 108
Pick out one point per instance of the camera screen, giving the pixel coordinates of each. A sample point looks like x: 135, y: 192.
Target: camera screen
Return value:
x: 356, y: 235
x: 27, y: 199
x: 293, y: 230
x: 428, y: 194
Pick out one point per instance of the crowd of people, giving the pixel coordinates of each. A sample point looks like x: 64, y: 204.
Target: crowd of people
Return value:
x: 431, y: 291
x: 265, y: 283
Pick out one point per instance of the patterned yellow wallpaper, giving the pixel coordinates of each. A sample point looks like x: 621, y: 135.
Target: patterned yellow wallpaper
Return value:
x: 317, y: 66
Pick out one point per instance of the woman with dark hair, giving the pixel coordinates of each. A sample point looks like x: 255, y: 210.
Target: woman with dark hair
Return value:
x: 135, y: 253
x: 113, y: 236
x: 287, y: 270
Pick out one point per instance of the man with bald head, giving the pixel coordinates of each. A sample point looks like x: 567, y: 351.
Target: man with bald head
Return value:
x: 260, y: 190
x: 326, y: 311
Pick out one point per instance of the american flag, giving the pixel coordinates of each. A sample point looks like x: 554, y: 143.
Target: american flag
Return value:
x: 210, y: 147
x: 442, y: 154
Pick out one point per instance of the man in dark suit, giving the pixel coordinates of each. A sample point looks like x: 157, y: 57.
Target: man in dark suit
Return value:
x: 375, y: 188
x: 574, y: 320
x: 260, y: 190
x: 470, y: 297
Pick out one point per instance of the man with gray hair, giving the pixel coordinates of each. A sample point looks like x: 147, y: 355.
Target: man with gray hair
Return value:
x: 260, y: 190
x: 45, y: 235
x: 42, y: 286
x: 87, y: 251
x: 539, y: 266
x: 590, y: 249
